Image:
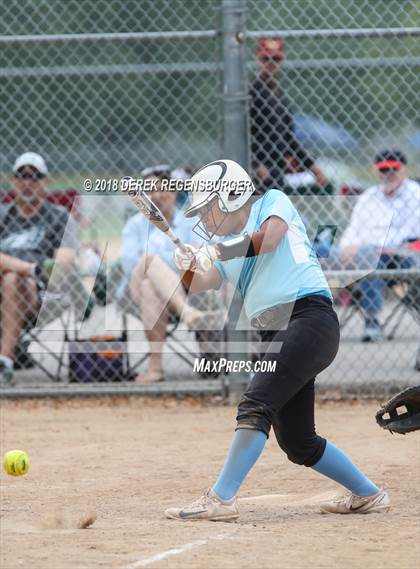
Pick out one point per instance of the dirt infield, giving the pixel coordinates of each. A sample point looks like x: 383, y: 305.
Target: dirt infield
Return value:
x: 125, y: 461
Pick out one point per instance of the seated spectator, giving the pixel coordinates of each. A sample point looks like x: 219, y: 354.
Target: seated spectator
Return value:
x: 34, y: 235
x: 385, y: 218
x: 150, y: 274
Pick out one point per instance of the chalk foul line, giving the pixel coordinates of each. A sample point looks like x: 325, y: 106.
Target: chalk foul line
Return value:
x: 177, y: 550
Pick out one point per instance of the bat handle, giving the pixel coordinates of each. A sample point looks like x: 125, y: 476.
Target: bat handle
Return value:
x: 181, y: 245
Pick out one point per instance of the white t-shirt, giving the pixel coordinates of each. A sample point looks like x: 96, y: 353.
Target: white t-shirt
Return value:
x: 385, y: 221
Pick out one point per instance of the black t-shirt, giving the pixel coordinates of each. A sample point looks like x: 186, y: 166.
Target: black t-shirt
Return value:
x: 32, y: 239
x: 272, y: 128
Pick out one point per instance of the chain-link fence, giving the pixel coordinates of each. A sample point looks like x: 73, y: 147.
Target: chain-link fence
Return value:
x: 107, y: 89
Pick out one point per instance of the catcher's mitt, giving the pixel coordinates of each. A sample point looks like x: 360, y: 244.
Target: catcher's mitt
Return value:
x: 401, y: 414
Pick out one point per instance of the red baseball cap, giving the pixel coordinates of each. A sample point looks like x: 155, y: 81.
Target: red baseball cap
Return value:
x: 389, y: 159
x: 273, y: 48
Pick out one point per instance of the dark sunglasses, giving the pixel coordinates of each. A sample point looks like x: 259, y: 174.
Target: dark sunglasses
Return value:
x: 29, y: 176
x: 388, y: 170
x: 271, y: 59
x: 159, y: 170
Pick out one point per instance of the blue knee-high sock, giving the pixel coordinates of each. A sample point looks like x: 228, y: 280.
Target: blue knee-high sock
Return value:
x: 246, y: 447
x: 337, y: 465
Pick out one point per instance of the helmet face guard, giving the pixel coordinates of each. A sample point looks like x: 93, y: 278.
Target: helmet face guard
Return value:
x: 200, y: 227
x: 202, y: 232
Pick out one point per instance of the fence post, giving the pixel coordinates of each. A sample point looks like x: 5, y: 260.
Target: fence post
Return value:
x: 235, y: 147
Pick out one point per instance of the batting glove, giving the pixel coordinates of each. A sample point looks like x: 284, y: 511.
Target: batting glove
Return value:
x: 204, y: 259
x: 195, y: 260
x: 184, y: 260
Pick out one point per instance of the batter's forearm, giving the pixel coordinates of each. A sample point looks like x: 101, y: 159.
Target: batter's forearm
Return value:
x: 247, y: 245
x: 251, y: 245
x: 196, y: 282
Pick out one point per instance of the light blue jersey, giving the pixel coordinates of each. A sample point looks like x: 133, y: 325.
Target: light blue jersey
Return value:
x: 290, y: 272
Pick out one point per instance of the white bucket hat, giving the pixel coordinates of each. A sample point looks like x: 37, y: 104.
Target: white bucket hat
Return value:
x: 31, y: 159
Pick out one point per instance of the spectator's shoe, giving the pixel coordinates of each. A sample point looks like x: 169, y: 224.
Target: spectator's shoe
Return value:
x: 352, y: 504
x: 209, y: 507
x: 6, y: 374
x: 373, y: 331
x: 150, y: 377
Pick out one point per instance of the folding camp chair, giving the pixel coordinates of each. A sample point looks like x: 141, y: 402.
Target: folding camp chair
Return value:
x: 56, y: 304
x: 407, y: 302
x: 407, y: 294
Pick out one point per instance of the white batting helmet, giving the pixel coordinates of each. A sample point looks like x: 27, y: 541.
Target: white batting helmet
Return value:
x: 224, y: 180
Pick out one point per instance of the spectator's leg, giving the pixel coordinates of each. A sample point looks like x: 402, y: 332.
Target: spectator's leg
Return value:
x: 18, y: 300
x: 408, y: 296
x: 154, y: 287
x: 372, y: 289
x: 166, y: 284
x: 371, y: 292
x: 154, y: 316
x: 371, y: 301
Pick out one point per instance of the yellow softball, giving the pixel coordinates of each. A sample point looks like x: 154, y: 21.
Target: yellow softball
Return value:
x: 16, y: 462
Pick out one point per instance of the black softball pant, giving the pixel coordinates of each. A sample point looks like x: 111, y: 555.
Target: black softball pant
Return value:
x: 285, y: 398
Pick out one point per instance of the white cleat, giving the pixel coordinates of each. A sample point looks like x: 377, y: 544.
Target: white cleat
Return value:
x: 209, y: 507
x: 352, y: 504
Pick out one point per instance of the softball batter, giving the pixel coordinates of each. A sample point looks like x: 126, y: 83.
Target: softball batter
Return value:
x: 268, y: 256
